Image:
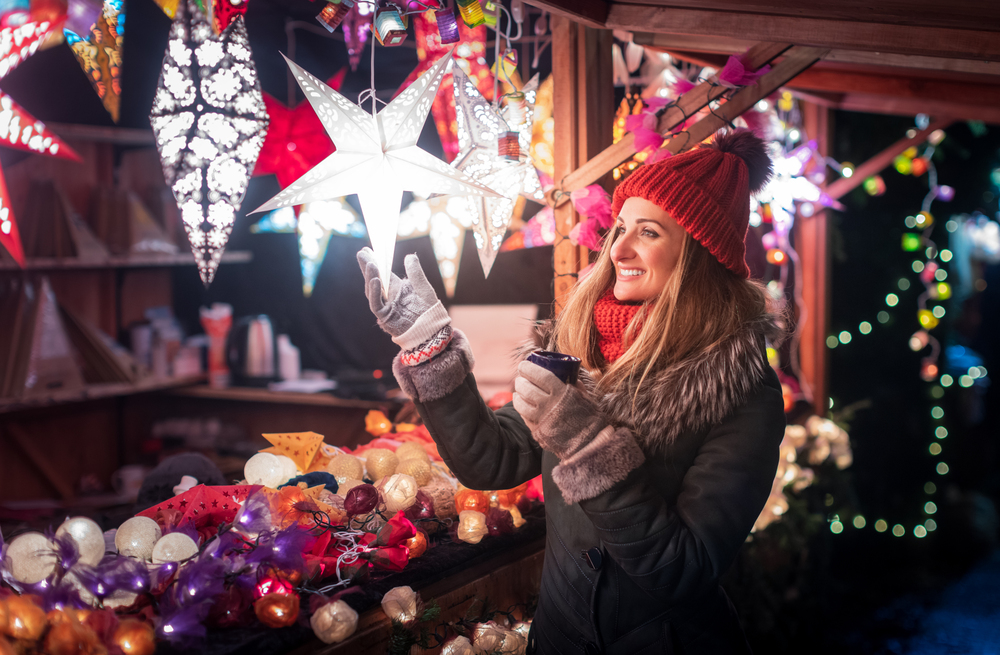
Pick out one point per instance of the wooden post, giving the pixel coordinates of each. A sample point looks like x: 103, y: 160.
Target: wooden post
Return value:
x: 812, y: 245
x: 583, y: 107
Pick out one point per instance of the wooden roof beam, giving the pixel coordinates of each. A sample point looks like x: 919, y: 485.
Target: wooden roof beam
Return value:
x: 956, y: 43
x: 592, y: 13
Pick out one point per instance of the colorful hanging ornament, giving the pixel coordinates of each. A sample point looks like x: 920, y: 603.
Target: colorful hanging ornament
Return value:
x: 209, y: 120
x: 445, y: 220
x: 318, y: 221
x: 21, y: 130
x: 390, y: 27
x: 10, y: 238
x: 377, y: 157
x: 20, y: 42
x: 479, y: 130
x: 169, y: 7
x: 100, y: 54
x: 296, y: 140
x: 334, y: 13
x: 447, y: 26
x: 472, y: 12
x: 357, y: 24
x: 224, y: 12
x: 470, y: 56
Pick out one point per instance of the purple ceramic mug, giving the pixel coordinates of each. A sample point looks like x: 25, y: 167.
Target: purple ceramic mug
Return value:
x: 565, y: 367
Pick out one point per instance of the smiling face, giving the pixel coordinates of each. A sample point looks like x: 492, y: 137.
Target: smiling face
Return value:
x: 645, y: 251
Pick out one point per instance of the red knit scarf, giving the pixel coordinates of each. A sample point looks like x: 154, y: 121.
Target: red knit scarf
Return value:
x: 611, y: 318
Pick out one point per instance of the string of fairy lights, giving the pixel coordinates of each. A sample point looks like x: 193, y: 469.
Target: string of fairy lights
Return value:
x: 929, y: 266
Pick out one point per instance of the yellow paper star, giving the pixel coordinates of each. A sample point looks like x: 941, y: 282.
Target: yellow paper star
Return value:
x: 300, y: 447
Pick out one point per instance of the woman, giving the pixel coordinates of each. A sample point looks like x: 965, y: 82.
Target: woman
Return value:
x: 656, y: 465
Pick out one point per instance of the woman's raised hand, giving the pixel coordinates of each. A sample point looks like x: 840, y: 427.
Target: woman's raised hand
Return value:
x: 561, y: 416
x: 410, y: 311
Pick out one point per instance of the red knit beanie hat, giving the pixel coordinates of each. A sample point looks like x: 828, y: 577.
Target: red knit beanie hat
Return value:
x: 707, y: 191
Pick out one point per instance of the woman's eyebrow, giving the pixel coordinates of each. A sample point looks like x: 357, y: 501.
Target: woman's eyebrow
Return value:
x: 649, y: 220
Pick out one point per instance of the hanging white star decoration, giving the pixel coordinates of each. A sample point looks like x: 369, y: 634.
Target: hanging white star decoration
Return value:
x: 209, y: 120
x: 479, y: 130
x: 377, y: 158
x: 445, y: 220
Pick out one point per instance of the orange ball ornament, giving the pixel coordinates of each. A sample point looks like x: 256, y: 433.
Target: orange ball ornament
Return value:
x: 135, y: 637
x: 417, y: 544
x: 71, y: 638
x: 277, y: 610
x: 5, y: 647
x: 471, y: 500
x: 25, y: 620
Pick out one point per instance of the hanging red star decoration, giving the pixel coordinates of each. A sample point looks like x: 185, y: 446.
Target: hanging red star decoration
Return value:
x: 470, y: 55
x: 296, y: 140
x: 225, y: 11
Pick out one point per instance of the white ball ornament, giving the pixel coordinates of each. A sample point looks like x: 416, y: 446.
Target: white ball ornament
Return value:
x: 30, y: 558
x: 334, y: 622
x: 265, y: 469
x: 137, y: 536
x: 174, y: 547
x: 399, y: 492
x: 458, y: 646
x: 400, y: 604
x: 288, y: 468
x: 88, y: 536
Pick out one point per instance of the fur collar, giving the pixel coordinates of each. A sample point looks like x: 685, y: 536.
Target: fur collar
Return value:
x: 689, y: 396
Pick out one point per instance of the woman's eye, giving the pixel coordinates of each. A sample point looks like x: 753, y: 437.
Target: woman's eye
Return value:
x: 620, y: 229
x: 650, y: 233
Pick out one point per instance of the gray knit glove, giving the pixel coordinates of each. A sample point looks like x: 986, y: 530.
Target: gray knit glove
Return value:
x: 412, y: 314
x: 561, y: 417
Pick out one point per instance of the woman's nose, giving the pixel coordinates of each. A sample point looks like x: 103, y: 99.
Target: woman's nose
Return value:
x: 621, y: 248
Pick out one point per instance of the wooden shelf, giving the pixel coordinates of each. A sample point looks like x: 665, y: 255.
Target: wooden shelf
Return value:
x: 123, y: 136
x: 252, y: 395
x: 150, y: 260
x: 95, y: 392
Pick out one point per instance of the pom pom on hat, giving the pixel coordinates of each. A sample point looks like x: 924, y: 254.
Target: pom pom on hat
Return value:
x: 707, y: 191
x: 751, y: 149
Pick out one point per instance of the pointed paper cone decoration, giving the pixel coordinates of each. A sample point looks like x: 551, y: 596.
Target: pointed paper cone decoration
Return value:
x: 19, y: 43
x: 21, y: 130
x: 10, y: 238
x: 100, y: 54
x: 279, y: 221
x: 479, y: 132
x: 445, y: 220
x: 209, y: 120
x: 317, y: 221
x: 377, y: 158
x: 300, y: 447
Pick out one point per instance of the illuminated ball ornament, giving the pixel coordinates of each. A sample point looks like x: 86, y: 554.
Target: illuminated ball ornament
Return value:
x: 903, y: 164
x: 135, y: 637
x: 918, y: 167
x: 410, y: 450
x: 400, y: 604
x: 928, y: 272
x: 458, y: 646
x: 924, y: 220
x: 137, y: 536
x: 419, y: 469
x: 471, y: 526
x: 334, y: 622
x: 940, y: 291
x: 344, y: 467
x: 417, y: 544
x: 25, y: 620
x: 912, y: 241
x: 174, y: 547
x: 380, y: 462
x: 277, y: 610
x: 928, y: 370
x: 288, y: 468
x: 944, y: 193
x: 265, y: 469
x: 442, y: 496
x: 273, y: 585
x: 87, y: 535
x: 776, y: 257
x: 30, y: 558
x: 927, y: 319
x: 488, y: 637
x: 874, y: 185
x: 399, y: 491
x: 470, y: 499
x: 919, y: 340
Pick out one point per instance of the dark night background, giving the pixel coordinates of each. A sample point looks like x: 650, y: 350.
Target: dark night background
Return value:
x: 335, y: 331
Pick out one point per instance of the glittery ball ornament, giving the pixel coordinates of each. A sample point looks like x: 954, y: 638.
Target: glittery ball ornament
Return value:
x: 334, y: 622
x: 30, y: 558
x: 471, y: 526
x: 400, y: 604
x: 137, y: 536
x: 419, y: 469
x: 25, y: 620
x: 277, y: 610
x: 135, y: 637
x: 470, y: 499
x: 345, y: 467
x: 265, y: 469
x: 410, y: 450
x: 288, y: 469
x: 174, y: 547
x: 380, y: 462
x: 399, y: 491
x: 488, y: 637
x: 87, y: 535
x: 458, y: 646
x: 345, y: 487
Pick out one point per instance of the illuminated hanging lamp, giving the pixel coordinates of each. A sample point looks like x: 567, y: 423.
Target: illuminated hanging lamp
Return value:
x: 472, y: 12
x: 447, y: 25
x: 390, y: 29
x: 333, y: 14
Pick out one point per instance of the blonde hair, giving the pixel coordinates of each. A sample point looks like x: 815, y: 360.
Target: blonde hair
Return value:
x: 701, y: 304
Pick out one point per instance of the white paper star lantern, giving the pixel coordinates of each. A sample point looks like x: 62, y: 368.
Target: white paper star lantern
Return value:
x: 209, y: 120
x: 445, y: 220
x: 377, y: 158
x: 479, y: 128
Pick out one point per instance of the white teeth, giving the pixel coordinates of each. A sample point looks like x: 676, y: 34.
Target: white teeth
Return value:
x: 630, y: 272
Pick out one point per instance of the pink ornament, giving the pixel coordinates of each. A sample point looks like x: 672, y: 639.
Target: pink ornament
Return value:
x: 945, y: 193
x: 927, y: 275
x: 737, y: 72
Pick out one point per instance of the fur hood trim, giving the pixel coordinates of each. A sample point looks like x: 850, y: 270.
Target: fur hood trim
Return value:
x: 688, y: 397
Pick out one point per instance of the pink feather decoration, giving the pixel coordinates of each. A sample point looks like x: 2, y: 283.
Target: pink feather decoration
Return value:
x: 682, y: 86
x: 737, y: 73
x: 594, y: 202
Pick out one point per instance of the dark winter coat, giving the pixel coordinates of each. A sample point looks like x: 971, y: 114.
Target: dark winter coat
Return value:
x: 633, y: 567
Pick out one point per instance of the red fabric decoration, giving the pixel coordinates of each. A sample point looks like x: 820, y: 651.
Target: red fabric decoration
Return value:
x: 21, y: 130
x: 611, y: 318
x: 225, y: 12
x: 203, y: 506
x: 296, y: 140
x: 707, y: 191
x: 10, y: 238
